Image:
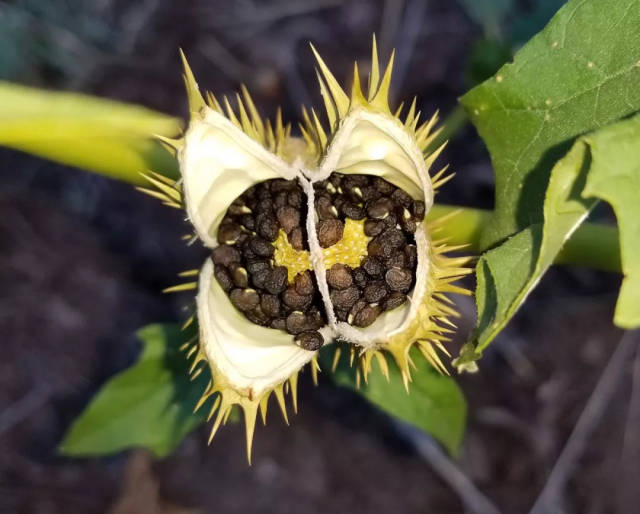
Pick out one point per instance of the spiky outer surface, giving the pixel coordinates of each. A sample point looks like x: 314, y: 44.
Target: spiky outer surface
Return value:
x: 354, y: 121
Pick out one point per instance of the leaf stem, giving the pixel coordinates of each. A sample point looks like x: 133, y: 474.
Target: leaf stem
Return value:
x: 593, y: 245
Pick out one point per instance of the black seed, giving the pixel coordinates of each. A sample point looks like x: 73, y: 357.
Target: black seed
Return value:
x: 336, y: 179
x: 244, y: 299
x: 239, y: 275
x: 270, y: 305
x: 418, y: 210
x: 393, y: 301
x: 373, y: 266
x: 258, y: 266
x: 295, y: 198
x: 385, y: 244
x: 295, y: 300
x: 225, y: 255
x: 366, y: 316
x: 237, y: 208
x: 279, y: 324
x: 295, y: 239
x: 314, y: 318
x: 383, y: 186
x: 310, y: 340
x: 408, y: 225
x: 352, y: 210
x: 370, y: 193
x: 267, y: 226
x: 398, y: 279
x: 276, y: 281
x: 351, y: 181
x: 280, y: 200
x: 375, y: 291
x: 261, y: 246
x: 346, y: 298
x: 264, y: 206
x: 360, y: 277
x: 279, y: 184
x: 303, y: 283
x: 223, y: 277
x: 339, y: 276
x: 297, y: 322
x: 228, y: 233
x: 248, y: 221
x: 380, y: 208
x: 325, y: 208
x: 263, y: 191
x: 357, y: 307
x: 373, y: 227
x: 411, y: 252
x: 398, y: 259
x: 329, y: 232
x: 391, y: 221
x: 241, y: 239
x: 258, y: 317
x: 342, y: 314
x: 288, y: 217
x: 401, y: 198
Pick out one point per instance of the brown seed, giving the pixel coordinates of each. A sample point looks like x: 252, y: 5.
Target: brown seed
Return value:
x: 296, y: 301
x: 225, y: 255
x: 270, y: 304
x: 303, y: 283
x: 366, y: 316
x: 373, y: 266
x: 297, y: 322
x: 295, y: 239
x: 288, y: 217
x: 279, y: 323
x: 393, y: 301
x: 329, y: 232
x: 310, y: 340
x: 399, y: 279
x: 279, y: 184
x: 352, y: 210
x: 418, y: 210
x: 261, y: 246
x: 375, y: 291
x: 357, y: 307
x: 360, y: 277
x: 314, y: 318
x: 373, y: 227
x: 267, y: 226
x: 264, y: 206
x: 239, y: 275
x: 408, y: 225
x: 341, y: 314
x: 244, y: 299
x: 276, y: 281
x: 346, y: 298
x: 339, y: 276
x: 228, y: 233
x: 223, y: 277
x: 380, y: 208
x: 238, y: 207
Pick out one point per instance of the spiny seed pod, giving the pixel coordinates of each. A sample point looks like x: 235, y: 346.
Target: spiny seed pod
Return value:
x: 313, y: 240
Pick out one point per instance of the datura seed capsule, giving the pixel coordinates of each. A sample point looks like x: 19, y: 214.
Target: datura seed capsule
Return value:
x: 313, y: 240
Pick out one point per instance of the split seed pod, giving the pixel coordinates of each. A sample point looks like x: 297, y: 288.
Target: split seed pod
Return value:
x: 249, y: 335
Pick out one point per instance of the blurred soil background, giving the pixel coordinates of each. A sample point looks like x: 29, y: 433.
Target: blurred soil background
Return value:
x: 83, y: 258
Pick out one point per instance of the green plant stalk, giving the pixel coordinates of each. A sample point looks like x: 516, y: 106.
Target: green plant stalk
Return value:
x: 592, y: 245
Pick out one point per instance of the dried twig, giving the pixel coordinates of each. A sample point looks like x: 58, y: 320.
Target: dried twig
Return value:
x: 471, y: 497
x: 549, y: 500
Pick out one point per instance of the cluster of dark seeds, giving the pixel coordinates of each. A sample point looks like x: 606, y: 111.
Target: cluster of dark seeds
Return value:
x: 245, y: 269
x: 387, y: 273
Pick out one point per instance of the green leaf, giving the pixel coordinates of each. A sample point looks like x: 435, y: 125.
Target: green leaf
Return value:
x: 604, y: 164
x: 434, y: 402
x: 104, y: 136
x: 580, y: 73
x: 148, y: 405
x: 615, y: 178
